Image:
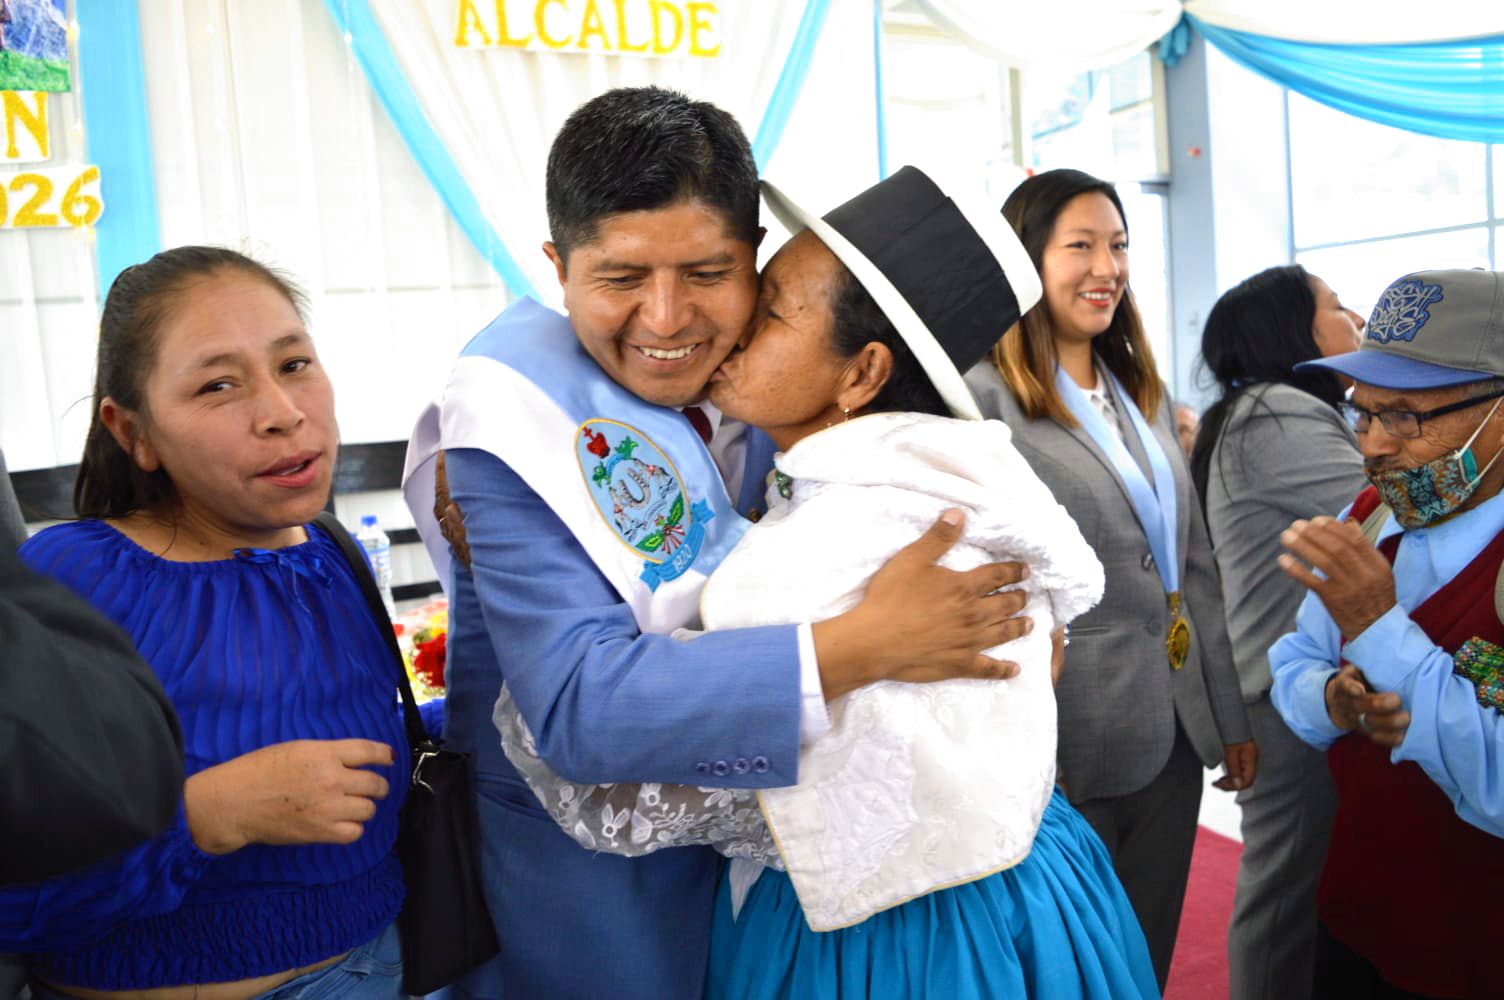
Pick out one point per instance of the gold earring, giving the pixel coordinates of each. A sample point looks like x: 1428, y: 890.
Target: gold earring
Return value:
x: 846, y: 410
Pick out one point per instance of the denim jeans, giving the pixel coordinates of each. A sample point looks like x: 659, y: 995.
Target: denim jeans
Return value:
x: 372, y: 971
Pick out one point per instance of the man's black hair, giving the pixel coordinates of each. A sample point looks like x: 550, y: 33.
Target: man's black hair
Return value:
x: 641, y: 148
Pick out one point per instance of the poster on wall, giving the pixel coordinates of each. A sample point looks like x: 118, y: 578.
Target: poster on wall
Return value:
x: 34, y: 45
x: 653, y: 28
x: 51, y: 198
x: 35, y: 62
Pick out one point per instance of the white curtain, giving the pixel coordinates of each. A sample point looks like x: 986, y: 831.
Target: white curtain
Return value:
x: 1063, y: 35
x: 1355, y: 22
x: 496, y: 110
x: 1078, y: 35
x: 265, y: 137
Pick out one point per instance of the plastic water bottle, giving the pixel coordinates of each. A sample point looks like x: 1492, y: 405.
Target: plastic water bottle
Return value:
x: 378, y: 549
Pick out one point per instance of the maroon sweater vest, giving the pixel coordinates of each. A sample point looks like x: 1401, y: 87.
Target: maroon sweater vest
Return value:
x: 1407, y: 884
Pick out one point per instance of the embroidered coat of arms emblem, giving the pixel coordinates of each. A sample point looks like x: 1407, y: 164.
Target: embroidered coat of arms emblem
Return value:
x: 642, y: 498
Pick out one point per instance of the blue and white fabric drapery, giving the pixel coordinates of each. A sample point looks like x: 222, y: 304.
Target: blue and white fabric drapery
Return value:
x: 479, y: 121
x: 1353, y: 22
x: 1437, y: 70
x: 1074, y: 35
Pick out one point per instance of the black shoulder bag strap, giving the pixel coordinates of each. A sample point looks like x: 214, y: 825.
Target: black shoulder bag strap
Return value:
x: 417, y: 736
x: 446, y: 930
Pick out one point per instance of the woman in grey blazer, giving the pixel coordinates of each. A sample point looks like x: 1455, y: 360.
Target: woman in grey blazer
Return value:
x: 1273, y: 448
x: 1149, y: 694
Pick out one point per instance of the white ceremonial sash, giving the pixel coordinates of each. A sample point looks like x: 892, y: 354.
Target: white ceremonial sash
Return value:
x: 633, y: 481
x: 1154, y: 505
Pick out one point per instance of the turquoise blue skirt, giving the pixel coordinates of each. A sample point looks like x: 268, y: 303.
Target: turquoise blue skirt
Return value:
x: 1057, y: 926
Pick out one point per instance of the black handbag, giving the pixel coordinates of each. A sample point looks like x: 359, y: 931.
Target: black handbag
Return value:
x: 445, y: 927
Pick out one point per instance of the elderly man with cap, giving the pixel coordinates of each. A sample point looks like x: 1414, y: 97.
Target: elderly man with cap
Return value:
x: 1395, y: 662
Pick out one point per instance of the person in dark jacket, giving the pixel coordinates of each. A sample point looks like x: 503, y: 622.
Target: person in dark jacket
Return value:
x: 92, y: 750
x: 12, y: 527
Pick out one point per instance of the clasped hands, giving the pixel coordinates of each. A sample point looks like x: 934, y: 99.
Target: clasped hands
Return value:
x: 1356, y: 585
x: 1353, y: 705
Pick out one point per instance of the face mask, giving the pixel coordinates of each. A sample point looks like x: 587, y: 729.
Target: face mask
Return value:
x: 1430, y: 492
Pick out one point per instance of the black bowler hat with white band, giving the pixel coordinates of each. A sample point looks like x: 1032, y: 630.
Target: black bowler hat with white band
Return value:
x: 947, y: 271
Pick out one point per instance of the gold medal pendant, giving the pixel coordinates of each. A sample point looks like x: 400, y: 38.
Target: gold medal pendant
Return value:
x: 1178, y: 643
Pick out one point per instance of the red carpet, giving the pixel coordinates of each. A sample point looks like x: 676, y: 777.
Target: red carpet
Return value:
x: 1199, y: 969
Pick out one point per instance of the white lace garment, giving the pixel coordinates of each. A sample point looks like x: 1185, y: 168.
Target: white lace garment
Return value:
x: 915, y: 786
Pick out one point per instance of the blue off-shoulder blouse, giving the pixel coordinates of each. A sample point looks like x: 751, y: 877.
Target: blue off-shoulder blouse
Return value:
x: 270, y: 646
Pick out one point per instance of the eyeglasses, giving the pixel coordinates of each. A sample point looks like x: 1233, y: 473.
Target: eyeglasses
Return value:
x: 1406, y: 423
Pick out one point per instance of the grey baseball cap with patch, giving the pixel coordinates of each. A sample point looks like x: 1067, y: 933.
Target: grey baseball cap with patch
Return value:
x: 1430, y: 329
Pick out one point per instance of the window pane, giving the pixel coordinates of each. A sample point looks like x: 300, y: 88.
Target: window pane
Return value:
x: 1359, y: 274
x: 1133, y: 148
x: 1498, y: 157
x: 947, y: 106
x: 1086, y: 145
x: 1353, y: 179
x: 1131, y: 81
x: 1054, y: 102
x: 1149, y: 273
x: 1074, y: 121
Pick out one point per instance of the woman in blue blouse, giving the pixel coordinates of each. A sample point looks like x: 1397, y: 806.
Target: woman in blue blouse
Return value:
x: 212, y: 446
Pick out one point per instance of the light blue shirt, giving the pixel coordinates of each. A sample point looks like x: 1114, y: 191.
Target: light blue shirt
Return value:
x: 1456, y: 741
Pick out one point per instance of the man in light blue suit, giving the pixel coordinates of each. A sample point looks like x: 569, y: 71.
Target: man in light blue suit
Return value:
x: 594, y: 508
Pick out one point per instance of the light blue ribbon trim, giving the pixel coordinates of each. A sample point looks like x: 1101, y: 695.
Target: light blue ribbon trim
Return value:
x: 359, y: 26
x: 877, y: 74
x: 790, y: 82
x: 1176, y: 42
x: 683, y: 558
x: 1155, y: 506
x: 1452, y: 89
x: 119, y: 136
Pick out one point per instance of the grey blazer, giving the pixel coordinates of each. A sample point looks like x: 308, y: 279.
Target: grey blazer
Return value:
x: 1283, y: 454
x: 1118, y: 696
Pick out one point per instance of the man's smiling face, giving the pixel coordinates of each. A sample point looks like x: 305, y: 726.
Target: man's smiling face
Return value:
x: 660, y: 297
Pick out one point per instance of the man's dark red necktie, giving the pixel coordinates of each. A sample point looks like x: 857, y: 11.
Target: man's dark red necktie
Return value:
x: 699, y: 421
